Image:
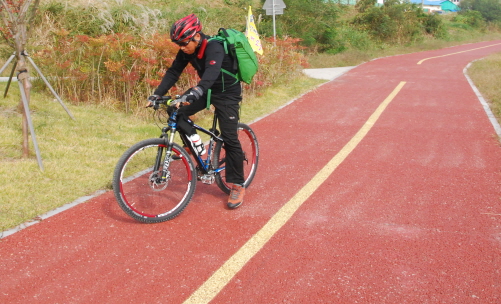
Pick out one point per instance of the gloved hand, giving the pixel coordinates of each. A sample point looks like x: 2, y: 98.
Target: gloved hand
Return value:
x: 152, y: 100
x: 194, y: 94
x: 155, y: 101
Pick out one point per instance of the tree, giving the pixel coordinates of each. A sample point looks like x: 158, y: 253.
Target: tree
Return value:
x: 16, y: 16
x: 313, y: 21
x: 490, y: 9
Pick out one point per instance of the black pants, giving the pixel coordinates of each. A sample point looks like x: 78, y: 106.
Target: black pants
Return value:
x: 227, y: 112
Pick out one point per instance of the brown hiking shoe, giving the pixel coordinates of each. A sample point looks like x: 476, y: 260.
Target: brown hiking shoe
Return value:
x: 236, y: 196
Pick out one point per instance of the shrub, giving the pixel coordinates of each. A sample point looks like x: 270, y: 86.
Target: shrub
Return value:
x: 117, y: 54
x: 396, y: 22
x: 471, y: 18
x: 282, y: 57
x: 94, y: 21
x: 489, y: 9
x: 433, y: 25
x: 124, y: 68
x: 355, y: 38
x: 314, y: 22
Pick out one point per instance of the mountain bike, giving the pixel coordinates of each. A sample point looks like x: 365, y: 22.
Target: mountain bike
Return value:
x: 155, y: 179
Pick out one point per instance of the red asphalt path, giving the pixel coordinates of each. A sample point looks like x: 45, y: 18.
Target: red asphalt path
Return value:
x: 412, y: 215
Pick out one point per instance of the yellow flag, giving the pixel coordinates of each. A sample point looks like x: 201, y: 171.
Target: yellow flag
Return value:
x: 252, y: 34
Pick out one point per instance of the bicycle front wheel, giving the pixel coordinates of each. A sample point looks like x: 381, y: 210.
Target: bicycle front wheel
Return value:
x: 250, y: 149
x: 151, y: 188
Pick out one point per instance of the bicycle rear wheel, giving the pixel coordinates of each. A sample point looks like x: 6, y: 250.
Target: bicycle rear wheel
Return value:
x: 250, y: 148
x: 142, y: 189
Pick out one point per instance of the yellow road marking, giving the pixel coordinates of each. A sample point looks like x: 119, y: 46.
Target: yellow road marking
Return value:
x: 458, y: 52
x: 220, y: 278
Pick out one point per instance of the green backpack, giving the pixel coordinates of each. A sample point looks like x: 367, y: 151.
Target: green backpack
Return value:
x: 238, y: 47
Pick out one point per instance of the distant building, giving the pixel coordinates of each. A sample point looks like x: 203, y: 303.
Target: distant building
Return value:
x: 438, y: 6
x: 450, y: 6
x: 428, y: 5
x: 345, y: 2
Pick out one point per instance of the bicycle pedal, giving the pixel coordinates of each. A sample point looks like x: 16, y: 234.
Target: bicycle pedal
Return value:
x: 207, y: 179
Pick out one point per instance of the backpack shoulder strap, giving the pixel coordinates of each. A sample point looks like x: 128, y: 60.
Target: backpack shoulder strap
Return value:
x: 222, y: 41
x: 223, y: 30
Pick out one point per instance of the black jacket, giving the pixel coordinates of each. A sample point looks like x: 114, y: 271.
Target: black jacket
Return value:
x: 208, y: 68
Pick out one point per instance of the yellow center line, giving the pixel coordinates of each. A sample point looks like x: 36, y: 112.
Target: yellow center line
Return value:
x: 458, y: 52
x: 220, y: 278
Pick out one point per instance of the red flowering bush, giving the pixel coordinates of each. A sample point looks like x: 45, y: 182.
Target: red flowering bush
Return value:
x: 125, y: 69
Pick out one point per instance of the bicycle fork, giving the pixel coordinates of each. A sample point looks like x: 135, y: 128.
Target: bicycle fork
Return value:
x: 168, y: 151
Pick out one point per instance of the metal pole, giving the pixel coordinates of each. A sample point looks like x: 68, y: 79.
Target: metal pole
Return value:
x: 48, y: 85
x: 7, y: 63
x: 10, y: 79
x: 274, y: 28
x: 30, y: 124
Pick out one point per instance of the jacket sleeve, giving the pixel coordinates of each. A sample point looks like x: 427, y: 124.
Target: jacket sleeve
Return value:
x: 172, y: 74
x: 214, y: 55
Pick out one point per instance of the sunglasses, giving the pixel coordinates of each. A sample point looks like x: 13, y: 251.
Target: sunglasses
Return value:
x: 184, y: 43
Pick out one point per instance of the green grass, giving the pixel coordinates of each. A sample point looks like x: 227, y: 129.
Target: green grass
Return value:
x: 79, y: 155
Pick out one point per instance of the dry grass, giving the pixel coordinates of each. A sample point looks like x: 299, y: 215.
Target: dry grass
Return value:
x: 485, y: 74
x: 173, y: 5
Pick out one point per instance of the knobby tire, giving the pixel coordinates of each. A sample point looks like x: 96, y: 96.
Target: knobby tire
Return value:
x: 138, y: 185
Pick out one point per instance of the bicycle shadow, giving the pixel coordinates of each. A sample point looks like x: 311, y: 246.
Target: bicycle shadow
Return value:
x: 211, y: 191
x: 110, y: 208
x: 204, y: 196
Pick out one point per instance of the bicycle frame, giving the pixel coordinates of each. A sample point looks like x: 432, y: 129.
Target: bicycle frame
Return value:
x: 205, y: 165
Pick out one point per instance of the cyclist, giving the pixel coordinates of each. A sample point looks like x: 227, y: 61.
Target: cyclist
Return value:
x: 224, y: 91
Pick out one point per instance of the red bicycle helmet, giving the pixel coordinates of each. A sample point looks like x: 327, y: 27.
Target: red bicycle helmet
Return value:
x: 185, y: 28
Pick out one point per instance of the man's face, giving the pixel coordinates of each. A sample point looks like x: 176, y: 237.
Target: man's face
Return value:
x: 191, y: 46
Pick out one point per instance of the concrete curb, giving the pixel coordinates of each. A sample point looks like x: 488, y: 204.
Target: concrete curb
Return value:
x: 44, y: 216
x: 484, y: 103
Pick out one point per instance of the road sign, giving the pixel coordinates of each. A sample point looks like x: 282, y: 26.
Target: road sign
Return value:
x: 274, y: 7
x: 278, y: 5
x: 278, y: 11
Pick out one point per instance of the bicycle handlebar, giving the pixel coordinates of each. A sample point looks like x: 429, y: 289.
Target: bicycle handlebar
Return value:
x: 166, y: 100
